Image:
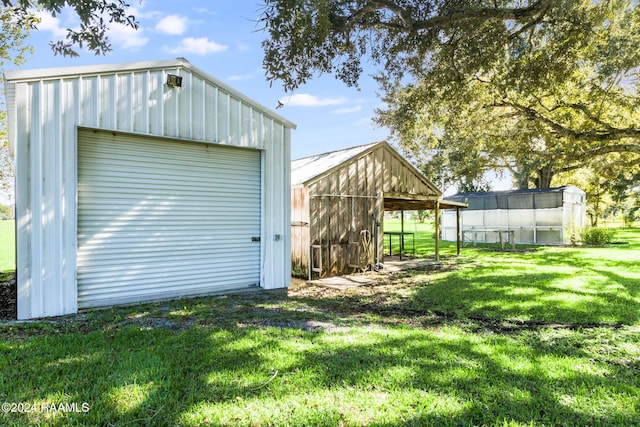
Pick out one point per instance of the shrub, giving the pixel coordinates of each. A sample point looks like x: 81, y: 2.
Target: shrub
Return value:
x: 597, y: 236
x: 6, y: 212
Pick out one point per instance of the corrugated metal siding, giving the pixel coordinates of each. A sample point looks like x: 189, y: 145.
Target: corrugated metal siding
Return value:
x: 48, y: 107
x: 183, y: 213
x: 276, y: 270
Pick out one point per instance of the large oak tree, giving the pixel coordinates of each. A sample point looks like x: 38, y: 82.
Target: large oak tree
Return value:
x: 537, y: 86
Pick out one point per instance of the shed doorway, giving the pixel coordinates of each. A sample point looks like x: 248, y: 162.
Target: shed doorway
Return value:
x: 164, y: 218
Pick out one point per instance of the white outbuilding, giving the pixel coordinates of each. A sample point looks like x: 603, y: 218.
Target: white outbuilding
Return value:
x: 544, y: 216
x: 144, y: 181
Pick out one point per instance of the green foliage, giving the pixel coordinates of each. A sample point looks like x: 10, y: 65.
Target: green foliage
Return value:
x: 531, y: 86
x: 6, y: 212
x: 15, y: 29
x: 597, y: 236
x: 331, y: 36
x: 299, y: 272
x: 632, y: 215
x: 537, y: 110
x: 94, y: 15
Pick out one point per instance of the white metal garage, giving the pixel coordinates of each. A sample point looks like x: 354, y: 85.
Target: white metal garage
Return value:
x: 144, y: 181
x: 187, y: 215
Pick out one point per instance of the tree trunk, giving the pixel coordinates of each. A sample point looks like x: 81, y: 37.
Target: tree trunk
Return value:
x: 521, y: 177
x: 544, y: 175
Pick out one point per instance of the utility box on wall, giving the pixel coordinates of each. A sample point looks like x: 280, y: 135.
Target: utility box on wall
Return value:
x: 543, y: 216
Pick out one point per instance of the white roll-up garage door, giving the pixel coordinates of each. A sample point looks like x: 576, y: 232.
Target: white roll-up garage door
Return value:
x: 162, y: 219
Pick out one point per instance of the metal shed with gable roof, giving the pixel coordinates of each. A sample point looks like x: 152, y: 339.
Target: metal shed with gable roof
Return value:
x: 133, y: 185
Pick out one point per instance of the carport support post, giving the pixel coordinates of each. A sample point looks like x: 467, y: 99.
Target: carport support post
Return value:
x: 401, y: 232
x: 458, y: 231
x: 437, y: 229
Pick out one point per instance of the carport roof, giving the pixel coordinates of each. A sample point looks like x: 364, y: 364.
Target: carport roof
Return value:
x: 307, y: 168
x: 405, y: 204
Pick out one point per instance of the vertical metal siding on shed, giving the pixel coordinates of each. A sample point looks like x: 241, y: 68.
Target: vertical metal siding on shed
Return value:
x: 46, y: 110
x: 338, y: 195
x: 184, y: 214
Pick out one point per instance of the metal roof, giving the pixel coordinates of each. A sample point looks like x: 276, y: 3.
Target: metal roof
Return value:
x: 46, y: 73
x: 514, y: 192
x: 302, y: 170
x: 307, y: 169
x: 534, y: 198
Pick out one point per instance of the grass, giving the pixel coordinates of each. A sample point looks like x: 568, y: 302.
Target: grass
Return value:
x: 7, y: 246
x: 423, y: 235
x: 541, y: 338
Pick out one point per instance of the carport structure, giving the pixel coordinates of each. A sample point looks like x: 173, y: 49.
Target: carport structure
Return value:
x: 337, y: 205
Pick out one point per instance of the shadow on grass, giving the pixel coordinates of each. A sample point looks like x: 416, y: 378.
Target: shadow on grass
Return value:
x: 349, y: 358
x: 497, y: 296
x: 553, y: 285
x: 362, y: 376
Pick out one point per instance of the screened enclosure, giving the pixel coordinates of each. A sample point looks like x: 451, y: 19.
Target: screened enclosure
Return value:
x: 539, y: 216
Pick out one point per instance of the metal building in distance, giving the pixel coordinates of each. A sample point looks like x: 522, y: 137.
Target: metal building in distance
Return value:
x: 544, y: 216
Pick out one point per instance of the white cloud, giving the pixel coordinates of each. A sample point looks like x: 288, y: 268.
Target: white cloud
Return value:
x: 50, y: 23
x: 204, y: 10
x: 197, y: 46
x: 366, y: 121
x: 348, y: 110
x: 238, y: 77
x: 119, y: 34
x: 173, y: 25
x: 307, y: 100
x: 140, y: 13
x: 126, y: 37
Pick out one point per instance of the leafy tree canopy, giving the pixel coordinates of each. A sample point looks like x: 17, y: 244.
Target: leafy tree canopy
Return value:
x: 537, y: 86
x: 94, y: 15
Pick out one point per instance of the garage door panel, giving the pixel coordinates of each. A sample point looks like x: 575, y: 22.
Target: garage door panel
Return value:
x: 159, y: 218
x: 144, y: 278
x: 151, y: 180
x: 112, y: 148
x: 104, y: 264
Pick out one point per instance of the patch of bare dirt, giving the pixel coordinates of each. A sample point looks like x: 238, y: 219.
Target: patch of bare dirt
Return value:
x: 8, y: 294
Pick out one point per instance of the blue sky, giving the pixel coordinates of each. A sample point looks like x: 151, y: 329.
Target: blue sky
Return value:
x: 223, y: 38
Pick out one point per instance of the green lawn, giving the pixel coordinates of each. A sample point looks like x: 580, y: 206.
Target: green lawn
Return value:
x: 549, y: 337
x: 423, y: 235
x: 7, y: 246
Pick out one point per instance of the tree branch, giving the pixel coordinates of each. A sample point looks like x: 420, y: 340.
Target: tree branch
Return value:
x: 445, y: 17
x: 609, y: 133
